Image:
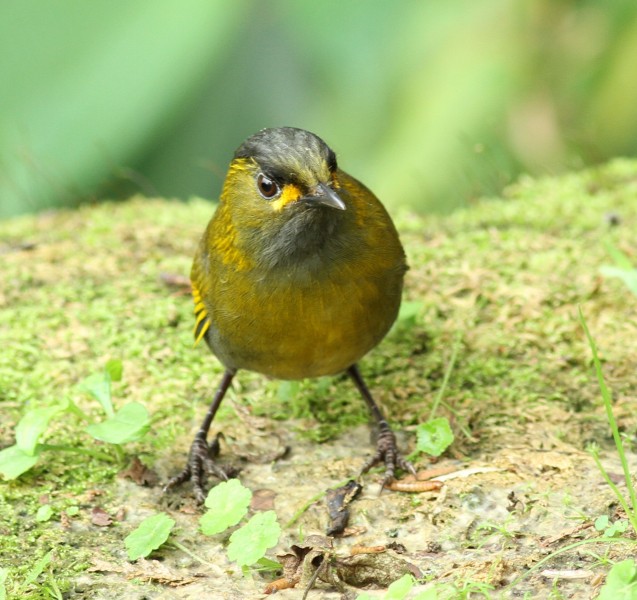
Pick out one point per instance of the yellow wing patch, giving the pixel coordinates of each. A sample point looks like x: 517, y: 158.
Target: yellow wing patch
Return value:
x: 202, y: 324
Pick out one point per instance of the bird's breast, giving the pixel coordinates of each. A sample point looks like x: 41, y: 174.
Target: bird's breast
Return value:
x: 302, y: 322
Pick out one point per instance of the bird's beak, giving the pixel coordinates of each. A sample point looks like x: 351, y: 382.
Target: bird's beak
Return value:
x: 325, y: 195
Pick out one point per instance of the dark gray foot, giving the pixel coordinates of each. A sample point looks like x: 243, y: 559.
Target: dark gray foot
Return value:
x: 387, y: 452
x: 200, y: 464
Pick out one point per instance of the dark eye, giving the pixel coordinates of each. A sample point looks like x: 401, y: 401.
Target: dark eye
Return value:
x: 267, y: 187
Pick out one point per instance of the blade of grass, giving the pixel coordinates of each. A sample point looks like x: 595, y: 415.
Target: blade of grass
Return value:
x: 606, y: 397
x: 299, y: 513
x: 568, y: 548
x: 622, y: 501
x: 445, y: 381
x: 189, y: 552
x: 86, y: 451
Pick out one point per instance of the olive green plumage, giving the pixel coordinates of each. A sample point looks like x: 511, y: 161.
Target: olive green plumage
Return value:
x: 295, y: 286
x: 298, y: 274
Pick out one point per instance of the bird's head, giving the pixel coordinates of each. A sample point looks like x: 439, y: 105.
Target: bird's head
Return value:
x: 281, y: 170
x: 282, y: 194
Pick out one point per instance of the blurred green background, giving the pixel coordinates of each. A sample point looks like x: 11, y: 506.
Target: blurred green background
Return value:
x: 430, y: 103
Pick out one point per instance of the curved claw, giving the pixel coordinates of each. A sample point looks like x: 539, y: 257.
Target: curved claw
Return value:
x: 199, y: 465
x: 388, y: 453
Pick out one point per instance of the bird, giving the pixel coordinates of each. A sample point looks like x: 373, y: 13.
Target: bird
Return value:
x: 299, y: 274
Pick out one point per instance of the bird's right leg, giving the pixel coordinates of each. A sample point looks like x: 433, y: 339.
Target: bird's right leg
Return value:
x: 386, y: 448
x: 200, y: 457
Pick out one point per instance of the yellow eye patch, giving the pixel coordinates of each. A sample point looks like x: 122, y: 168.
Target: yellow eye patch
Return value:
x: 290, y: 193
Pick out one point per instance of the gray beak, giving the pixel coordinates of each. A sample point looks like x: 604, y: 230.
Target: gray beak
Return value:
x: 325, y: 195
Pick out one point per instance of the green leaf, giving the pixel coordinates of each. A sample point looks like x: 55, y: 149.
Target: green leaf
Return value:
x: 249, y: 543
x: 620, y: 259
x: 409, y: 311
x: 399, y: 589
x: 621, y: 582
x: 32, y: 425
x: 14, y: 462
x: 45, y: 512
x: 267, y: 564
x: 228, y: 503
x: 114, y: 369
x: 623, y: 269
x: 128, y: 424
x: 151, y: 533
x: 434, y: 436
x: 616, y: 528
x: 428, y: 594
x: 98, y: 385
x: 601, y: 522
x: 4, y: 573
x: 36, y: 570
x: 627, y: 276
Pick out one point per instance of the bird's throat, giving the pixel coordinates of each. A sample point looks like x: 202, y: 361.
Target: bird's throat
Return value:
x: 308, y: 238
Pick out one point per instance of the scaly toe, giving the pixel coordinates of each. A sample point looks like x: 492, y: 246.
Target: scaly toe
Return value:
x: 387, y: 452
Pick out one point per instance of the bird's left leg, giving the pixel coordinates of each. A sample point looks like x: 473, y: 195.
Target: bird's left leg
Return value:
x: 386, y: 447
x: 200, y: 458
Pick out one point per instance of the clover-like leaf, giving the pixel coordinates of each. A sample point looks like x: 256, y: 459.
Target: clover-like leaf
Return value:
x: 228, y: 503
x: 430, y: 593
x: 621, y: 582
x: 249, y: 543
x: 602, y: 522
x: 151, y: 533
x: 399, y: 589
x: 45, y: 512
x: 434, y: 436
x: 128, y: 424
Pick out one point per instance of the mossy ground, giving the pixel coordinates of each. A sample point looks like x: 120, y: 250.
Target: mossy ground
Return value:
x: 502, y: 279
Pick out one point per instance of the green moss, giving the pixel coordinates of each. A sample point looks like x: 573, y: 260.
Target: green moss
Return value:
x: 82, y: 287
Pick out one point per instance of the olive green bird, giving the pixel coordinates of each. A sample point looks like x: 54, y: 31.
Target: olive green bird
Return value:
x: 298, y: 274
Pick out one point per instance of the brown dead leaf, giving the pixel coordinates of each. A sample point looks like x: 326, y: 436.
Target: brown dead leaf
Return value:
x: 153, y: 570
x: 338, y: 501
x: 92, y: 494
x: 263, y: 499
x: 140, y: 473
x: 146, y: 570
x: 314, y: 563
x: 352, y: 530
x: 104, y: 566
x: 378, y: 569
x: 367, y: 550
x: 100, y: 517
